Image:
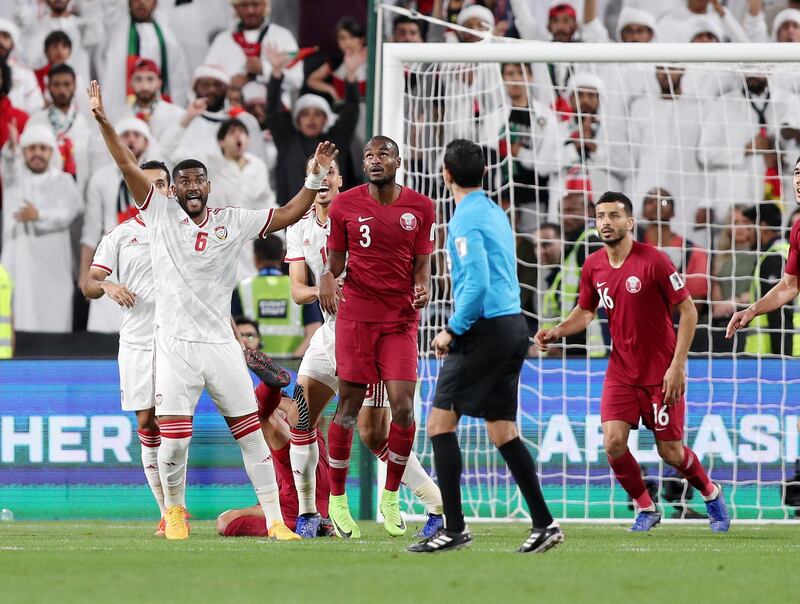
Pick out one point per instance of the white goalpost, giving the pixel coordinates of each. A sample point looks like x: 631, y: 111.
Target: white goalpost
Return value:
x: 691, y: 134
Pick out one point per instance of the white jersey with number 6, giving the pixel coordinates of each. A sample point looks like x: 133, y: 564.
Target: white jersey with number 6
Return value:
x: 194, y: 265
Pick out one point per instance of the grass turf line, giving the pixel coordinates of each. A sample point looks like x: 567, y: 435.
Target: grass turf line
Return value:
x: 121, y: 562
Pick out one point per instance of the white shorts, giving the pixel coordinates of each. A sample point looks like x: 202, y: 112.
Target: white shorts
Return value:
x: 135, y: 378
x: 319, y: 363
x: 319, y: 360
x: 183, y: 369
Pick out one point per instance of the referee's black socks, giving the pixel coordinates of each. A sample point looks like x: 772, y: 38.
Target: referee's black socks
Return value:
x: 447, y: 459
x: 519, y: 461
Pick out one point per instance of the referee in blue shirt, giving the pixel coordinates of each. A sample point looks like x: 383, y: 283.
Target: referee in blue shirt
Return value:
x: 484, y: 346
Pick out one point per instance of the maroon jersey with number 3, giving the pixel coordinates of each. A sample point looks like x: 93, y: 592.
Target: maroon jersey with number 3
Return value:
x: 381, y: 242
x: 638, y: 297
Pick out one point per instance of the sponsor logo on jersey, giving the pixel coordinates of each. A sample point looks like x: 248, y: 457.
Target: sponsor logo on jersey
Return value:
x: 362, y: 219
x: 677, y: 281
x: 461, y: 246
x: 306, y: 243
x: 633, y: 285
x: 409, y: 222
x: 221, y: 232
x: 185, y: 221
x: 133, y: 241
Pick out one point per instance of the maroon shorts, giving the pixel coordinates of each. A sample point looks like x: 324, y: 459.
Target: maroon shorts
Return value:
x: 628, y: 403
x: 367, y: 353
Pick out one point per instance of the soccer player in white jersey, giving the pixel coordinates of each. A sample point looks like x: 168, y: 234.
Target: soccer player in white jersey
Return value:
x: 317, y: 383
x: 194, y: 252
x: 124, y: 252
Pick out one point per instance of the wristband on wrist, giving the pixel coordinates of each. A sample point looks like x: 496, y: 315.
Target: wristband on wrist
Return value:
x: 451, y: 332
x: 314, y: 181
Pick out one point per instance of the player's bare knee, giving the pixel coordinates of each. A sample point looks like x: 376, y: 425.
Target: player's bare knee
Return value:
x: 671, y: 452
x: 223, y: 520
x: 403, y: 415
x: 614, y: 445
x: 501, y: 432
x: 146, y: 420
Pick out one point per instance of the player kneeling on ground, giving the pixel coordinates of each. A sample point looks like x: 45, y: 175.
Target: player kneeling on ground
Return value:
x: 646, y: 377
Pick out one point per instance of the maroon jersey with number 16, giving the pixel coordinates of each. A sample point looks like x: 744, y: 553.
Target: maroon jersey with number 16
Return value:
x: 381, y: 242
x: 638, y: 297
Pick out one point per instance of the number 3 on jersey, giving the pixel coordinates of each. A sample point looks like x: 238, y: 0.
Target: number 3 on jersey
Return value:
x: 201, y: 241
x: 365, y: 237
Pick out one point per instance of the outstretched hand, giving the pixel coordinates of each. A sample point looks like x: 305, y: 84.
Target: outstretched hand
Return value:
x: 324, y: 156
x: 96, y: 101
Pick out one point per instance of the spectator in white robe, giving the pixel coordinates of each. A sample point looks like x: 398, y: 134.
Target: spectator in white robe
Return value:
x: 676, y: 25
x: 744, y: 162
x: 664, y: 131
x: 85, y: 33
x: 589, y: 139
x: 40, y: 202
x: 148, y: 105
x: 241, y: 51
x: 195, y: 24
x: 71, y: 129
x: 238, y: 179
x: 196, y: 132
x: 109, y: 203
x: 25, y: 92
x: 786, y: 29
x: 139, y: 36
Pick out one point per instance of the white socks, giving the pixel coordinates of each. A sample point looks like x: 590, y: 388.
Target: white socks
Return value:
x: 172, y: 458
x: 304, y: 455
x: 151, y: 440
x: 258, y: 464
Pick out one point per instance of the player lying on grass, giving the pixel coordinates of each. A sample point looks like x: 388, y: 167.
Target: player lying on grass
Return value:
x: 317, y: 382
x: 195, y: 252
x: 646, y: 377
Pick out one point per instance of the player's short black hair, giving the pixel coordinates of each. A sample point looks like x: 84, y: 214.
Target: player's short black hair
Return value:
x: 227, y: 125
x: 401, y: 19
x: 242, y: 320
x: 154, y: 164
x: 380, y: 138
x: 465, y: 162
x: 188, y: 164
x: 269, y: 249
x: 351, y: 26
x: 57, y: 37
x: 616, y: 197
x: 63, y: 68
x: 5, y: 72
x: 797, y: 162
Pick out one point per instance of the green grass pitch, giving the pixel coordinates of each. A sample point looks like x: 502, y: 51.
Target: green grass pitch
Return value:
x: 67, y: 562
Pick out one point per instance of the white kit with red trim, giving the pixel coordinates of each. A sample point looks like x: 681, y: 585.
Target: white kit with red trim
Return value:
x: 194, y: 265
x: 124, y: 252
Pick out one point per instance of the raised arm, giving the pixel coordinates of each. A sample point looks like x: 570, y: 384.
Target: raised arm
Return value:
x: 301, y: 203
x: 137, y: 182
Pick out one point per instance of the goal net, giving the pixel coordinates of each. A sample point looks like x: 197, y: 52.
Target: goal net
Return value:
x: 704, y: 142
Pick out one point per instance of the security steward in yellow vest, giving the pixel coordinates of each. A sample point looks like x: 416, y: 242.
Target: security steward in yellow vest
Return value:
x: 6, y: 327
x: 267, y: 299
x: 774, y: 332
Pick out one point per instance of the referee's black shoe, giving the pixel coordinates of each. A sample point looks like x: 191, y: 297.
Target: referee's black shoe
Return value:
x: 542, y: 540
x: 272, y: 374
x: 442, y: 541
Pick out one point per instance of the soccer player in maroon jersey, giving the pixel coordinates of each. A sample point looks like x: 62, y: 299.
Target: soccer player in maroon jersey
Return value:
x: 646, y: 377
x: 385, y: 233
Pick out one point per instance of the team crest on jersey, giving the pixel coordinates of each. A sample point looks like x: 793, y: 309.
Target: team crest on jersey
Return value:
x: 408, y: 221
x: 158, y: 400
x: 633, y: 284
x: 221, y: 232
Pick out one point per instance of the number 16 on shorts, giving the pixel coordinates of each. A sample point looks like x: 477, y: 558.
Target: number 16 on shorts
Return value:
x: 660, y: 415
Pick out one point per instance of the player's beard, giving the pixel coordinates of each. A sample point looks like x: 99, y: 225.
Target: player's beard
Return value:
x: 614, y: 238
x: 194, y: 211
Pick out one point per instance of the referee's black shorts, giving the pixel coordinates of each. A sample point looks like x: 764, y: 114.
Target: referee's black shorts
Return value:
x: 480, y: 375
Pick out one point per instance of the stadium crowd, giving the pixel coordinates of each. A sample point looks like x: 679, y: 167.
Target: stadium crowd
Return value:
x: 250, y: 87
